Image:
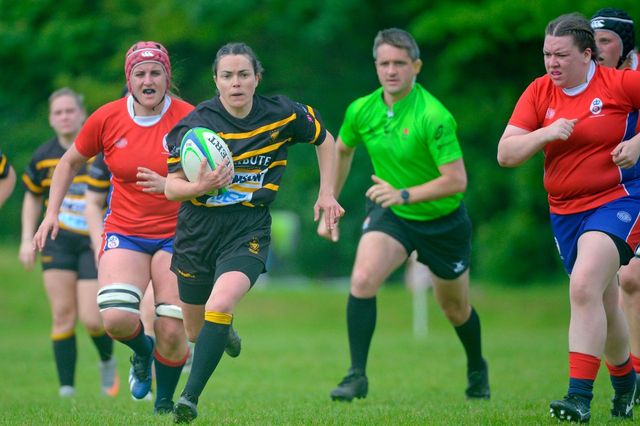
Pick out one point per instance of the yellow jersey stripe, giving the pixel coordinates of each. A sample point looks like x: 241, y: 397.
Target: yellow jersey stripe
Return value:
x: 317, y: 123
x: 249, y: 154
x: 52, y: 162
x: 32, y: 186
x: 259, y: 130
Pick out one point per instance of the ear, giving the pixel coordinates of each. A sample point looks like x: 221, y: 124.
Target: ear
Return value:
x: 417, y: 66
x: 588, y: 54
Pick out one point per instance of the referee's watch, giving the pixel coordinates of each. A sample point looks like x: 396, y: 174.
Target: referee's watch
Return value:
x: 405, y: 196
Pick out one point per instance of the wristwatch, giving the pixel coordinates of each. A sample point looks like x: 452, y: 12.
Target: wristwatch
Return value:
x: 405, y: 196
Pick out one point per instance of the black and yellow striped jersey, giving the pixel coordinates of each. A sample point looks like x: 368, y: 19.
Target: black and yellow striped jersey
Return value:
x: 4, y: 166
x: 259, y: 145
x: 37, y: 180
x: 99, y: 175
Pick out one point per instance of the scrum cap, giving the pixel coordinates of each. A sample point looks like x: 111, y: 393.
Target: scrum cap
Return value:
x: 618, y: 21
x: 147, y: 51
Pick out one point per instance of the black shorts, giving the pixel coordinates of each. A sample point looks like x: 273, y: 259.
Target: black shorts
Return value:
x: 212, y: 241
x: 70, y: 252
x: 443, y: 244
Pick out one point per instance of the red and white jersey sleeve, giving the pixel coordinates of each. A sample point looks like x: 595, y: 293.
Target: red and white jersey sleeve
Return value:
x: 127, y: 146
x: 579, y: 173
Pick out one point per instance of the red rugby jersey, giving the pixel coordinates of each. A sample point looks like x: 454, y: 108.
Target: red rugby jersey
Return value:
x: 579, y: 173
x: 126, y: 146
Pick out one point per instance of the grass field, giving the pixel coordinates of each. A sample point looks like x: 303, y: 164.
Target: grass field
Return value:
x: 294, y: 353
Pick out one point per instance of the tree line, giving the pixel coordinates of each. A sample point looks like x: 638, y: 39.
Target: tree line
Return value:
x: 478, y: 57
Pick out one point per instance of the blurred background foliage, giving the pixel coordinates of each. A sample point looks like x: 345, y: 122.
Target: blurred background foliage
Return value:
x: 479, y: 56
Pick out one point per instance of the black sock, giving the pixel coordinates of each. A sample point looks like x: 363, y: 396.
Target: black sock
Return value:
x: 141, y: 344
x: 361, y: 322
x: 167, y: 377
x: 206, y: 356
x: 65, y: 353
x: 469, y: 335
x: 104, y: 345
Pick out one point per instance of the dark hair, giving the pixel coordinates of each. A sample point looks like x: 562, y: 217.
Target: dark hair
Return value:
x: 576, y: 26
x: 238, y: 49
x: 397, y: 38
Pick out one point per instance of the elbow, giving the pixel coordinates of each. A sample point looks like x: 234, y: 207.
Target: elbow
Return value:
x: 506, y: 161
x: 169, y: 194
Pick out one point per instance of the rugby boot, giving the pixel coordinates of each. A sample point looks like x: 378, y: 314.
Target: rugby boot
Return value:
x: 571, y: 408
x: 109, y: 380
x: 140, y: 374
x: 185, y: 410
x: 622, y: 404
x: 234, y: 344
x: 478, y: 383
x: 163, y: 406
x: 354, y: 385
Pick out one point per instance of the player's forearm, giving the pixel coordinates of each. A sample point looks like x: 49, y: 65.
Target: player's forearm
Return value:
x: 344, y: 158
x: 326, y: 164
x: 31, y: 209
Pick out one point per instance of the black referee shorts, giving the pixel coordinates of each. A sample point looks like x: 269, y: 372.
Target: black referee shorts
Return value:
x: 443, y: 244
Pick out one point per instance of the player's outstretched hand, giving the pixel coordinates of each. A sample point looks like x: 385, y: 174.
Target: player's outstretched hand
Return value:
x: 49, y: 225
x: 325, y: 232
x: 328, y: 208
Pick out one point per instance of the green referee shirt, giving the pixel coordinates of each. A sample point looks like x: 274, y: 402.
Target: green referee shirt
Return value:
x: 406, y: 144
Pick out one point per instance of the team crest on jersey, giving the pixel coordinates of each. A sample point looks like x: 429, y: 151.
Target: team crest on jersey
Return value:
x: 274, y: 135
x: 623, y: 216
x: 550, y: 113
x: 254, y: 245
x: 113, y: 242
x: 596, y: 106
x: 121, y: 143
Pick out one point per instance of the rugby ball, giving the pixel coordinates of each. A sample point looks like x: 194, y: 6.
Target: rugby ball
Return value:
x: 200, y: 143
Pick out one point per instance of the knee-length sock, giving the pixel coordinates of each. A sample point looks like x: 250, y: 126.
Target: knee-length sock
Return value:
x: 65, y: 353
x: 361, y: 322
x: 470, y: 336
x: 209, y: 348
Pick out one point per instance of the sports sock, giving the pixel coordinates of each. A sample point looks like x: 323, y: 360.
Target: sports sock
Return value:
x: 65, y: 353
x: 470, y: 336
x: 208, y: 351
x: 361, y: 322
x: 167, y: 375
x: 623, y: 377
x: 104, y: 345
x: 583, y: 369
x: 141, y: 344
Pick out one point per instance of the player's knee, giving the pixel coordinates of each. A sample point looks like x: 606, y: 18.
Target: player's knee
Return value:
x: 362, y: 284
x: 117, y: 302
x: 64, y: 320
x: 456, y: 311
x: 170, y: 332
x: 629, y: 283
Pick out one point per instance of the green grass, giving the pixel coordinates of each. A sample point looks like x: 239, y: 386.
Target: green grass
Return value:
x: 294, y: 353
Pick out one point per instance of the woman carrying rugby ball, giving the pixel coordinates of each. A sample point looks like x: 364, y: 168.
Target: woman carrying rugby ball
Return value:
x: 222, y: 240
